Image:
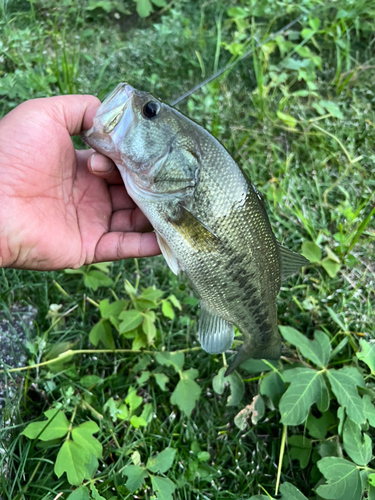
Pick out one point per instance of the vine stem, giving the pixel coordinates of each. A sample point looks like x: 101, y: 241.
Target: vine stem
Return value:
x: 281, y: 456
x: 72, y: 352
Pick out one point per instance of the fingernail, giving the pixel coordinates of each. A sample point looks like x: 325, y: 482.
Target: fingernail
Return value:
x: 100, y: 163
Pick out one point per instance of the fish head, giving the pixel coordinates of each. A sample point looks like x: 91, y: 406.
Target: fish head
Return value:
x: 147, y: 139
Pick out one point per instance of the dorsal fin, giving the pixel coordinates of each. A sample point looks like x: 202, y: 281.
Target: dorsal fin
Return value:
x: 291, y: 262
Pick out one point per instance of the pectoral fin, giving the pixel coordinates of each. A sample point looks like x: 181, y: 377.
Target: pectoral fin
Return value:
x: 168, y: 254
x: 215, y: 334
x: 291, y: 262
x: 199, y: 236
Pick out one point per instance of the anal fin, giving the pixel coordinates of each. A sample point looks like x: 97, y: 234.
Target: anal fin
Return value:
x: 215, y: 333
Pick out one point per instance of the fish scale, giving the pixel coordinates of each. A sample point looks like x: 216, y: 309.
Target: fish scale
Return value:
x: 209, y: 219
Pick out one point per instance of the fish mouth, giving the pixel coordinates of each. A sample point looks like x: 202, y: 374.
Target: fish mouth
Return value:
x: 112, y: 120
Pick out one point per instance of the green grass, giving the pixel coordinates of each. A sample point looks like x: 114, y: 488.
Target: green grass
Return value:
x: 315, y: 166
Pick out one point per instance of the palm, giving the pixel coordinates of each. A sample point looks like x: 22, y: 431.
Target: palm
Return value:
x: 57, y: 213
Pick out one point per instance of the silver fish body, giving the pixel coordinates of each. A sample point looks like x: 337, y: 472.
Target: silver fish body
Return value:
x: 209, y: 219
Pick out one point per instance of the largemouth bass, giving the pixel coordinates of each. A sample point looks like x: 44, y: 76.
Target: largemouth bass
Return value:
x: 209, y: 219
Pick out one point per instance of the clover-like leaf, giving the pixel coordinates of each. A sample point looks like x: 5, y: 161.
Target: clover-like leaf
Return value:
x: 185, y: 395
x: 136, y: 476
x: 163, y: 487
x: 290, y: 492
x: 102, y: 332
x: 356, y: 445
x: 130, y: 320
x: 71, y: 459
x: 343, y: 479
x: 83, y: 435
x: 367, y: 353
x: 311, y: 251
x: 56, y: 426
x: 303, y: 392
x: 317, y: 350
x: 162, y: 461
x: 175, y: 359
x: 344, y: 384
x: 300, y: 449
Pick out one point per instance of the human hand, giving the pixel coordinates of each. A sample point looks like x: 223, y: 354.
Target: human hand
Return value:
x: 54, y: 213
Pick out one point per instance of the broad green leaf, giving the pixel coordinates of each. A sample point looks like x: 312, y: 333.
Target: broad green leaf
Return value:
x: 122, y: 412
x: 144, y: 8
x: 311, y: 251
x: 148, y: 326
x: 83, y: 435
x: 133, y: 400
x: 289, y: 120
x: 167, y: 309
x: 145, y: 376
x: 369, y: 409
x: 151, y: 293
x: 162, y: 461
x: 367, y: 353
x: 318, y: 427
x: 143, y: 304
x: 356, y: 445
x: 203, y: 456
x: 159, y: 3
x: 317, y: 350
x: 256, y: 410
x: 237, y: 388
x: 81, y: 493
x: 107, y: 310
x: 139, y: 342
x: 191, y: 374
x: 324, y: 397
x: 300, y: 449
x: 95, y: 493
x: 136, y: 476
x: 131, y: 320
x: 257, y: 365
x: 175, y: 302
x: 161, y: 380
x: 344, y: 384
x: 147, y: 412
x: 137, y: 421
x: 90, y: 380
x: 332, y: 108
x: 331, y: 267
x: 273, y: 387
x: 341, y: 418
x: 261, y: 497
x: 314, y: 23
x: 163, y: 486
x: 175, y: 359
x: 185, y: 395
x: 71, y: 459
x: 330, y: 448
x: 56, y: 426
x: 102, y: 332
x: 302, y: 393
x: 91, y: 467
x: 95, y: 279
x: 111, y: 406
x: 218, y: 382
x: 343, y: 479
x: 290, y: 492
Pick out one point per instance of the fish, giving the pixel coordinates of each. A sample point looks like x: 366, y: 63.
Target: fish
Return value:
x: 209, y: 219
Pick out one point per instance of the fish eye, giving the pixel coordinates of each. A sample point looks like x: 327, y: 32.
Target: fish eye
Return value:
x: 151, y: 109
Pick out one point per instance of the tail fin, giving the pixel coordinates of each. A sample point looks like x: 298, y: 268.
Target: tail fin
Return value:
x: 267, y: 352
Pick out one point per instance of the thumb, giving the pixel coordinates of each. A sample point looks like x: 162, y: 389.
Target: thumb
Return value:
x: 74, y: 112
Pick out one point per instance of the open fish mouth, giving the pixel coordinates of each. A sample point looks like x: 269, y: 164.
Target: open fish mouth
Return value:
x: 112, y: 120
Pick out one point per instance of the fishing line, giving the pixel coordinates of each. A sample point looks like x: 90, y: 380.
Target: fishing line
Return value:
x: 247, y: 54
